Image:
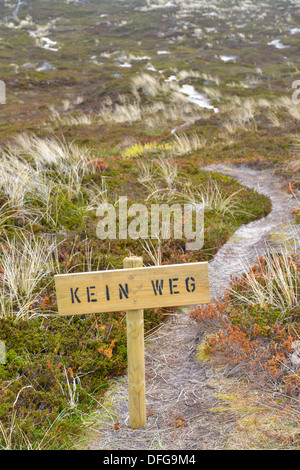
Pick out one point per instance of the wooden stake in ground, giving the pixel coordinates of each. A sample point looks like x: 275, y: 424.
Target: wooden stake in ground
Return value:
x: 136, y: 358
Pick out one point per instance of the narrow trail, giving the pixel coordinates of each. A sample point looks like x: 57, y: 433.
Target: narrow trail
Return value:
x: 252, y: 240
x: 179, y: 397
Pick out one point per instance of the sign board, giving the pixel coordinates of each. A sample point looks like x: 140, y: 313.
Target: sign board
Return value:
x: 131, y: 289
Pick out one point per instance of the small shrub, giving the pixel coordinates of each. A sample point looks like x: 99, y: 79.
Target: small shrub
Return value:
x: 255, y: 326
x: 138, y: 150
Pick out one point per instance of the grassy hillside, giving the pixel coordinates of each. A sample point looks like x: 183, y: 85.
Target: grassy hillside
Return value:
x: 122, y: 98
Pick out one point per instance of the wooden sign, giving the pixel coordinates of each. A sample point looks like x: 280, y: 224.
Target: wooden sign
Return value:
x: 132, y: 289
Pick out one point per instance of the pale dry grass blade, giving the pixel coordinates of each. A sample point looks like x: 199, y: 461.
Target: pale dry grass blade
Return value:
x: 50, y: 152
x: 274, y: 120
x: 212, y: 198
x: 12, y: 436
x: 276, y: 284
x: 148, y: 84
x: 71, y: 120
x: 146, y: 171
x: 33, y: 167
x: 7, y: 433
x: 72, y: 394
x: 121, y: 113
x: 186, y: 143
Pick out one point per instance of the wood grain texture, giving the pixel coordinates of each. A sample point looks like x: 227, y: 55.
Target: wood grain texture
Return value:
x: 132, y: 288
x: 136, y: 358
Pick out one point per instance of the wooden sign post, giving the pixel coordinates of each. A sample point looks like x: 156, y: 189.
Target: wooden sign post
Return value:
x: 136, y: 358
x: 133, y: 289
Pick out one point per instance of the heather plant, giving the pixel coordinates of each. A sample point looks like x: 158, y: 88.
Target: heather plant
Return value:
x: 138, y: 150
x: 273, y: 281
x: 256, y: 325
x: 212, y: 198
x: 62, y: 129
x: 185, y: 143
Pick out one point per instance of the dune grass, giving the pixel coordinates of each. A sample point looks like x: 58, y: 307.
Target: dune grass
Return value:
x: 64, y: 150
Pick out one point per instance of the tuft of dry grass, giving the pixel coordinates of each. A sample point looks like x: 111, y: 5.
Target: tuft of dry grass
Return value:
x: 71, y: 120
x: 242, y: 115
